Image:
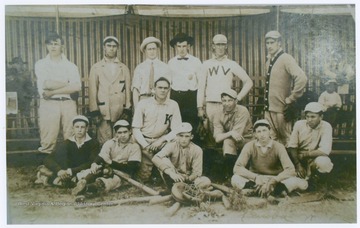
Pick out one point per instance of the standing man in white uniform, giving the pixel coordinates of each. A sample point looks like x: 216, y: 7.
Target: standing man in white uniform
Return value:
x: 57, y: 78
x: 218, y: 74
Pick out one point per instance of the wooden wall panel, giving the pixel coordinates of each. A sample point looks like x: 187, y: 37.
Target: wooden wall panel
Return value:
x: 310, y: 39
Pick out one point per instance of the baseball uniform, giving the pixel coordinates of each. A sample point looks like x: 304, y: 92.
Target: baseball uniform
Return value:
x: 58, y: 110
x: 154, y: 120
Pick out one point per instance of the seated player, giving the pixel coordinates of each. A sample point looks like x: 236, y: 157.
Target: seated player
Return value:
x: 265, y: 164
x: 118, y: 153
x: 181, y: 160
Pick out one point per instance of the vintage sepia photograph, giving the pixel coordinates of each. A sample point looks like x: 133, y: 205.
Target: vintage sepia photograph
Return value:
x: 180, y: 113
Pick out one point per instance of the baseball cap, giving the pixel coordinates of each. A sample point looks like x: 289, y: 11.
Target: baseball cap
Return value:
x: 121, y: 123
x: 331, y: 81
x: 80, y: 118
x: 111, y: 38
x: 184, y: 128
x: 220, y: 39
x: 261, y: 121
x: 149, y: 40
x: 273, y: 34
x: 230, y: 92
x: 314, y: 107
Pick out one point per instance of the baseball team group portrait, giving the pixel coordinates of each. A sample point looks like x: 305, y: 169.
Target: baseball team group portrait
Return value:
x: 180, y: 114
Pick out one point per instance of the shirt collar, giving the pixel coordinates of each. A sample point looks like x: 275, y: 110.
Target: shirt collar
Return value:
x: 106, y: 60
x: 87, y: 138
x: 152, y: 60
x: 156, y: 102
x: 63, y: 57
x: 269, y: 145
x: 269, y: 56
x: 221, y: 59
x: 317, y: 127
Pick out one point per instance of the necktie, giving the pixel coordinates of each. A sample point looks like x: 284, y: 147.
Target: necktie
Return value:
x: 151, y: 78
x: 184, y: 58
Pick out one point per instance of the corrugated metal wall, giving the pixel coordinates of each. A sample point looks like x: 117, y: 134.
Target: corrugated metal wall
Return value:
x: 309, y: 38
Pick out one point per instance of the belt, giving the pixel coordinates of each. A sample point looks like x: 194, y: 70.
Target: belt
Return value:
x: 150, y: 137
x: 60, y: 99
x: 146, y: 95
x: 179, y: 91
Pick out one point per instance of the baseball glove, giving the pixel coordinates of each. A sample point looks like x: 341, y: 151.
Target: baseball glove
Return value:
x: 291, y: 112
x: 193, y: 194
x: 107, y: 171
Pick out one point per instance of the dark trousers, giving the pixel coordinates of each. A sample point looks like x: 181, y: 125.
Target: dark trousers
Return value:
x: 188, y: 106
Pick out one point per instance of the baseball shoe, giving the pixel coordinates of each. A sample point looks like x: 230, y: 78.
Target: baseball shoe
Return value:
x: 79, y: 188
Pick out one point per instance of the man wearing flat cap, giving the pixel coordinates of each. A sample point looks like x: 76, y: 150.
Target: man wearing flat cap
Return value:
x: 109, y: 90
x: 217, y: 75
x: 57, y: 78
x: 285, y: 83
x: 264, y: 164
x: 62, y: 167
x: 118, y: 153
x: 310, y: 145
x: 147, y: 72
x: 232, y: 128
x: 154, y: 122
x: 181, y: 160
x: 185, y: 77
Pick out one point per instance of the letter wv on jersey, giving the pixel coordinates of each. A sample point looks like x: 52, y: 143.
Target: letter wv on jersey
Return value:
x: 215, y: 70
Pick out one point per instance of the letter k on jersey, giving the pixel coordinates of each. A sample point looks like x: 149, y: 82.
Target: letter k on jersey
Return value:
x: 168, y: 118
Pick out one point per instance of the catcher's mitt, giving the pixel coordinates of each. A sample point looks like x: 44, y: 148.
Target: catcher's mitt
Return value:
x: 177, y: 192
x: 193, y: 193
x: 291, y: 112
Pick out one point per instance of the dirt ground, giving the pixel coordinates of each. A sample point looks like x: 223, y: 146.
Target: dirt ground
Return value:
x: 29, y: 203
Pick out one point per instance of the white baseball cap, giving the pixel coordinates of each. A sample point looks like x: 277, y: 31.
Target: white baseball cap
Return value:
x: 331, y: 81
x: 219, y: 39
x: 184, y: 128
x: 121, y: 123
x: 80, y: 118
x: 314, y: 107
x: 230, y: 92
x: 261, y: 121
x: 111, y: 38
x: 273, y: 34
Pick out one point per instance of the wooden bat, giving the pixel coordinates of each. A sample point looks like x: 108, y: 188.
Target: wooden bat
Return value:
x: 136, y: 183
x: 222, y: 188
x: 144, y: 199
x: 226, y: 202
x: 173, y: 209
x: 160, y: 199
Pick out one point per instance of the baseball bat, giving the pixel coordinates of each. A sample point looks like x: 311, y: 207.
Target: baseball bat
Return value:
x: 160, y: 199
x: 173, y: 209
x: 222, y: 188
x: 226, y: 202
x: 136, y: 183
x: 144, y: 199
